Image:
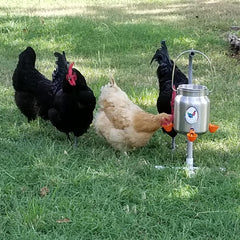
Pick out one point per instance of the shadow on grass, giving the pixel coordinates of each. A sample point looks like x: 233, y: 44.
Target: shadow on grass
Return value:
x: 110, y: 25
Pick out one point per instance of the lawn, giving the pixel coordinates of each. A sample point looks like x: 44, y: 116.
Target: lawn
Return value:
x: 95, y: 192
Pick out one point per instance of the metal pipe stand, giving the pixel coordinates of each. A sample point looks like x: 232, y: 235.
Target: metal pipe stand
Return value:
x: 189, y: 160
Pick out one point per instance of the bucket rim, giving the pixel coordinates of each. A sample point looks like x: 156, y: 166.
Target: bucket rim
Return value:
x: 192, y: 87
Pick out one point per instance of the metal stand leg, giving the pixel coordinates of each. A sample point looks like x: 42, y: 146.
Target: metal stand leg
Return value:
x: 173, y: 143
x: 189, y: 159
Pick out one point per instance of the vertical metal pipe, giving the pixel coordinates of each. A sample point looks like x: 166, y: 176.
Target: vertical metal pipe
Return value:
x: 191, y: 54
x: 189, y: 159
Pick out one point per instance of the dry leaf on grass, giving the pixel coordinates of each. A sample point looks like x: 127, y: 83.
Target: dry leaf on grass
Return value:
x: 64, y: 220
x: 44, y: 191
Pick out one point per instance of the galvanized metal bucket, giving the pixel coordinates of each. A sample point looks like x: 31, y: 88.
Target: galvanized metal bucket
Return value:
x: 191, y: 108
x: 191, y: 104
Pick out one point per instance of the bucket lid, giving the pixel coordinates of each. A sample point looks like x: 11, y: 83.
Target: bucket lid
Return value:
x: 192, y: 90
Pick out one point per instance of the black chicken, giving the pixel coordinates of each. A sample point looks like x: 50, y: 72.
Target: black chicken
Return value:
x: 66, y: 101
x: 33, y: 91
x: 74, y: 103
x: 164, y: 74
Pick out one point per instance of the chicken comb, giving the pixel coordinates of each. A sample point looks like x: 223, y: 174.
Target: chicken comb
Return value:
x: 70, y: 76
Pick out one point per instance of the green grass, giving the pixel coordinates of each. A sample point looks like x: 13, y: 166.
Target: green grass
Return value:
x: 104, y: 193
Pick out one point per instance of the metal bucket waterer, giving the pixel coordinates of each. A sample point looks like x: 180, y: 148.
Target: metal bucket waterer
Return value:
x: 191, y: 105
x: 191, y: 109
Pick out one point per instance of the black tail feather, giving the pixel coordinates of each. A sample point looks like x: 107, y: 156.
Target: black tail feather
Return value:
x: 61, y: 70
x: 161, y: 56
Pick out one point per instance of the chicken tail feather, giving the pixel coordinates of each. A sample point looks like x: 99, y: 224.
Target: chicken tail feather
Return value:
x: 161, y: 55
x: 61, y: 70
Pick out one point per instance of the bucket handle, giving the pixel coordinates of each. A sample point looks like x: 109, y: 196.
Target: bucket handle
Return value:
x: 191, y: 52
